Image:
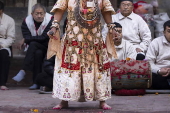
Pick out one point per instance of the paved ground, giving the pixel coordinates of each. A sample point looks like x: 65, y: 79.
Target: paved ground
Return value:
x: 22, y: 100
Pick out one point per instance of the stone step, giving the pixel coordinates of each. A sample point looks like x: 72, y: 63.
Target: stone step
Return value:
x: 16, y: 64
x: 153, y: 91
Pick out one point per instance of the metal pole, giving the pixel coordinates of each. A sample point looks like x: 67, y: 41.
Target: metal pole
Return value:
x: 30, y: 4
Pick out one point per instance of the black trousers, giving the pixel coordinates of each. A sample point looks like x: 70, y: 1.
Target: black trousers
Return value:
x: 34, y: 58
x: 140, y: 57
x: 4, y: 66
x: 159, y: 82
x: 43, y: 79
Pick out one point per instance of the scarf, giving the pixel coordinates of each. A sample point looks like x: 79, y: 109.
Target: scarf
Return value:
x: 31, y: 26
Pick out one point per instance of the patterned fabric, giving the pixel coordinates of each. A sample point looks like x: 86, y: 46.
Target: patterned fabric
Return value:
x: 83, y: 70
x: 131, y: 74
x: 132, y: 66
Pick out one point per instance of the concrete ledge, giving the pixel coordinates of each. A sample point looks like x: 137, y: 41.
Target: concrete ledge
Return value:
x: 153, y: 91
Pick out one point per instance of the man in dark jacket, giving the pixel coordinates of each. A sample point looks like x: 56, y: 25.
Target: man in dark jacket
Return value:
x: 45, y: 79
x: 34, y: 29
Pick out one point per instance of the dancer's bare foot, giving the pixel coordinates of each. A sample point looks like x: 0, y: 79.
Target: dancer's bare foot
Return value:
x: 63, y: 104
x: 104, y: 106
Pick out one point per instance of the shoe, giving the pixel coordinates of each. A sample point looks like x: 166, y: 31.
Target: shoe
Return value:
x: 45, y: 90
x: 20, y: 76
x: 4, y: 88
x: 33, y: 87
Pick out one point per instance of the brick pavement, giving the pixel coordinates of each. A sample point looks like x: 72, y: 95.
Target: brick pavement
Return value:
x: 22, y: 100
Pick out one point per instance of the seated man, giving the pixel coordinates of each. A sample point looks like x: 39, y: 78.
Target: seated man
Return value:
x: 124, y: 48
x: 45, y: 79
x: 34, y: 30
x: 159, y: 57
x: 135, y: 30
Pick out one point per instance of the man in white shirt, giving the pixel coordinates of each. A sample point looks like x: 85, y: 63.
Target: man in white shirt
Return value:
x: 135, y: 29
x: 159, y: 56
x: 124, y: 49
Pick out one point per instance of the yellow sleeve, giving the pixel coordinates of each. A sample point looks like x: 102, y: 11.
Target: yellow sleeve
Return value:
x: 107, y: 6
x: 60, y: 4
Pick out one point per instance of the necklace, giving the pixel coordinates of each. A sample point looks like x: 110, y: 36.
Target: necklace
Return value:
x: 88, y: 16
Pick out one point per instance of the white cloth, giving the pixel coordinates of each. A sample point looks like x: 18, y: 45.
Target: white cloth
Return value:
x: 7, y: 32
x: 134, y: 29
x: 158, y: 54
x: 31, y: 26
x: 125, y: 50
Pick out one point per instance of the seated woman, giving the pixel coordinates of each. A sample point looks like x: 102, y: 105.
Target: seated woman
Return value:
x: 7, y: 34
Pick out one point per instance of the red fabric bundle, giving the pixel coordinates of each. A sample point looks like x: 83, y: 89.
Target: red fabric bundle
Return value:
x: 137, y: 4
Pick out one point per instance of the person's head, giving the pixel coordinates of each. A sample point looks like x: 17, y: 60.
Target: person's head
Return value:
x: 38, y: 12
x: 118, y: 36
x: 167, y: 30
x: 126, y: 7
x: 1, y: 7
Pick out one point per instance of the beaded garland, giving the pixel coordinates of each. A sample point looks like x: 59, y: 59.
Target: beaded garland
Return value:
x: 87, y: 17
x: 88, y: 48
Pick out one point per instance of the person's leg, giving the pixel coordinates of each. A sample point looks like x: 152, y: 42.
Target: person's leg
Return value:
x: 159, y: 82
x: 29, y: 60
x: 4, y: 68
x: 63, y: 104
x: 38, y: 62
x: 30, y: 55
x: 37, y: 68
x: 43, y: 79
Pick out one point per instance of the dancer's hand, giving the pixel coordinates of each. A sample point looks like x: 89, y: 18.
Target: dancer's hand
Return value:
x: 51, y: 33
